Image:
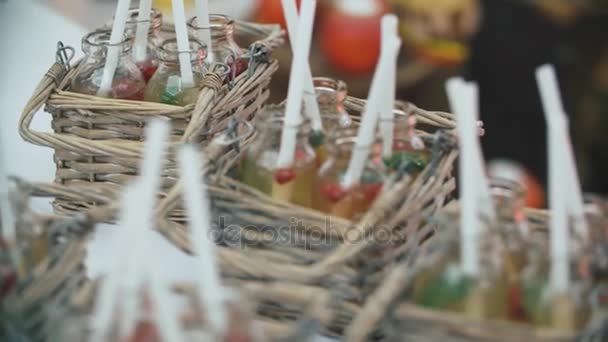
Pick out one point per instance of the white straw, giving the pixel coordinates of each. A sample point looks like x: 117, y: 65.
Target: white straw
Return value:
x: 143, y: 27
x: 311, y: 107
x: 202, y: 14
x: 457, y: 93
x: 109, y: 288
x: 138, y: 207
x: 181, y: 31
x: 197, y: 204
x: 554, y: 108
x: 167, y: 317
x: 484, y: 193
x: 365, y: 135
x: 114, y: 48
x: 294, y: 94
x: 389, y: 29
x: 6, y: 212
x: 560, y: 272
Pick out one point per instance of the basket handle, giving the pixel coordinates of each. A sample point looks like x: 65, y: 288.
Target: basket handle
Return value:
x: 273, y: 35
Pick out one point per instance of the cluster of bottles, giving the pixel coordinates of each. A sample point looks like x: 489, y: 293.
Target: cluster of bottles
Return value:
x: 156, y: 77
x: 513, y: 280
x: 321, y: 158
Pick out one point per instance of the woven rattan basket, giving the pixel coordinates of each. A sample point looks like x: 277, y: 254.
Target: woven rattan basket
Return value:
x: 388, y: 310
x: 25, y: 308
x: 97, y: 141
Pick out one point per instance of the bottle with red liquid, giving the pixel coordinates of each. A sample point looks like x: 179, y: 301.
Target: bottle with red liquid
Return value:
x: 224, y: 48
x: 258, y: 167
x: 166, y: 86
x: 147, y: 62
x: 331, y: 196
x: 128, y: 82
x: 331, y: 95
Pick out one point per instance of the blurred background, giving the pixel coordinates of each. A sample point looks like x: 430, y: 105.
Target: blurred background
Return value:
x: 497, y: 43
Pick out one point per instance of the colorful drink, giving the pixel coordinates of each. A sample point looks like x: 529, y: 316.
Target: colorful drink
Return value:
x: 259, y: 170
x: 167, y: 86
x: 331, y: 195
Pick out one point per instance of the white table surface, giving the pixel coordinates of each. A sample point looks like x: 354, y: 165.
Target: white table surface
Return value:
x: 30, y: 31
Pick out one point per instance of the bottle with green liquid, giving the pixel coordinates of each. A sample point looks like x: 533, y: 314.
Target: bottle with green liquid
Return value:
x: 407, y: 150
x: 166, y: 85
x: 258, y: 167
x: 445, y: 286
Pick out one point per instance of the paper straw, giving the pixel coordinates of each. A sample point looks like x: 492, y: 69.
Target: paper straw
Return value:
x: 560, y: 272
x: 365, y: 135
x: 166, y: 315
x: 181, y: 31
x: 114, y: 48
x: 197, y: 204
x: 467, y: 177
x: 202, y: 14
x: 109, y: 287
x: 389, y: 29
x: 554, y: 108
x: 294, y: 94
x: 484, y: 193
x: 311, y: 107
x: 138, y: 207
x: 143, y: 27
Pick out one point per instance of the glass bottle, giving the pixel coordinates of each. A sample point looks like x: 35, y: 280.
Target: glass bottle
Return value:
x: 407, y: 148
x: 128, y: 82
x: 224, y: 47
x: 445, y: 286
x: 146, y: 61
x: 166, y: 86
x: 330, y: 195
x: 331, y: 95
x: 258, y: 166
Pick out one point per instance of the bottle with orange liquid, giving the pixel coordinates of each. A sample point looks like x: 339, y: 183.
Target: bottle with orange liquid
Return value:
x: 331, y: 196
x: 258, y: 167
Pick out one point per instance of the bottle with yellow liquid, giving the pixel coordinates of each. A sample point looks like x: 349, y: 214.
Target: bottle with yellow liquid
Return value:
x: 258, y: 167
x: 567, y: 312
x: 445, y: 286
x: 166, y: 85
x: 331, y: 196
x: 511, y: 225
x: 408, y: 151
x: 331, y: 95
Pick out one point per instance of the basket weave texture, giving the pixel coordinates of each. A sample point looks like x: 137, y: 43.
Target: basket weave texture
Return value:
x: 97, y: 141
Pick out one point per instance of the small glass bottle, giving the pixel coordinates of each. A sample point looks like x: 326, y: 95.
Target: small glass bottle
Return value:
x: 445, y: 286
x: 224, y: 48
x: 258, y: 167
x: 407, y: 149
x: 128, y: 82
x: 331, y: 95
x: 147, y: 60
x: 508, y: 199
x: 331, y: 196
x: 166, y: 86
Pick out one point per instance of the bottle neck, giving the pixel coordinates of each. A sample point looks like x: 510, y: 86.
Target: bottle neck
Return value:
x: 169, y: 52
x: 96, y: 44
x: 155, y: 19
x: 221, y: 28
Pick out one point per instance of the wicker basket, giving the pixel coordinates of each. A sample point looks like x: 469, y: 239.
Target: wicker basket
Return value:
x: 52, y: 282
x: 97, y: 141
x: 389, y: 311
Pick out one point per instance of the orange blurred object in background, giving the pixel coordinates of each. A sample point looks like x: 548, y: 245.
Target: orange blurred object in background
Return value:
x: 507, y: 169
x: 271, y: 12
x: 350, y: 34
